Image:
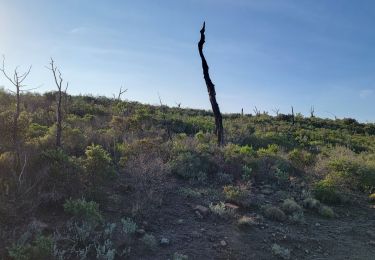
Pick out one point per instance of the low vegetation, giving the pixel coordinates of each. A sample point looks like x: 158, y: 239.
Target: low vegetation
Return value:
x: 120, y: 164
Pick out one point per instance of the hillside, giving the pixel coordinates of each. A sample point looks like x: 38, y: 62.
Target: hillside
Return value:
x: 135, y: 181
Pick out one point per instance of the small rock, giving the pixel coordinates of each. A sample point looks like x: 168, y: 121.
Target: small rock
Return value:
x: 223, y: 243
x: 180, y: 221
x: 317, y: 224
x: 164, y: 241
x: 141, y: 231
x: 202, y: 209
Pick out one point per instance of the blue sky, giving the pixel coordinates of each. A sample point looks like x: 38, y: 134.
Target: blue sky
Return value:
x: 264, y: 53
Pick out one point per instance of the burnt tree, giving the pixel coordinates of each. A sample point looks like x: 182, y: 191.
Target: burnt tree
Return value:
x: 59, y: 82
x: 211, y: 90
x: 17, y: 80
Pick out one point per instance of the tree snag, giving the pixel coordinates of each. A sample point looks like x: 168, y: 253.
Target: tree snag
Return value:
x: 211, y: 91
x: 58, y: 81
x: 293, y: 119
x: 17, y: 81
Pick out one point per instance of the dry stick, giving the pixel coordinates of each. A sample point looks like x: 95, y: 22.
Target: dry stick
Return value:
x: 211, y: 90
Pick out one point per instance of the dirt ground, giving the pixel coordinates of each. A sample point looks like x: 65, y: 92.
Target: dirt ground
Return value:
x: 350, y: 235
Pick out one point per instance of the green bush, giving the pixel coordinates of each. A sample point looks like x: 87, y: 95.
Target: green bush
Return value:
x: 326, y: 212
x: 43, y: 247
x: 289, y: 206
x: 98, y: 164
x: 84, y: 210
x: 371, y: 197
x: 190, y: 166
x: 247, y: 173
x: 233, y: 193
x: 326, y: 192
x: 271, y: 150
x: 300, y: 158
x: 40, y: 248
x: 311, y: 203
x: 189, y: 193
x: 274, y: 213
x: 128, y: 226
x: 220, y: 210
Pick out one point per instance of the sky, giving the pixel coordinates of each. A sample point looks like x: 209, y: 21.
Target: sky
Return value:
x: 270, y: 54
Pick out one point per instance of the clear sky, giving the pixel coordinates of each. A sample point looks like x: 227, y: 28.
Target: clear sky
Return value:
x: 265, y: 53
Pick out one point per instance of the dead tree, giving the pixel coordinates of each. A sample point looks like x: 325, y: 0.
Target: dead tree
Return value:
x: 211, y: 90
x: 293, y: 116
x: 59, y: 82
x: 312, y: 111
x: 17, y: 80
x: 256, y: 111
x: 120, y: 93
x: 276, y: 111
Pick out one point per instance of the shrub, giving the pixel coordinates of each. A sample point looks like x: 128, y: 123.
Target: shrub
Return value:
x: 300, y: 158
x: 326, y: 192
x: 190, y: 166
x: 271, y: 150
x: 98, y: 164
x: 326, y: 212
x: 289, y: 206
x: 128, y: 226
x: 84, y: 210
x: 245, y: 221
x: 149, y: 241
x: 224, y: 178
x: 280, y: 251
x: 274, y: 213
x: 178, y: 256
x: 63, y: 174
x: 232, y: 192
x: 247, y: 173
x: 189, y: 193
x: 35, y: 130
x: 282, y: 176
x: 220, y: 210
x: 19, y: 252
x: 297, y: 217
x: 42, y: 247
x: 311, y: 203
x: 372, y: 197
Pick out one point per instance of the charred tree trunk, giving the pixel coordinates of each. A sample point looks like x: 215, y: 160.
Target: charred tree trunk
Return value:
x: 211, y: 91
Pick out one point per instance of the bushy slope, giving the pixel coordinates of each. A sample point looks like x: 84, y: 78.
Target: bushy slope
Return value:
x: 121, y: 162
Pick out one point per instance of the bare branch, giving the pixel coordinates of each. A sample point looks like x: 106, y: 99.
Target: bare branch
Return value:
x: 120, y: 93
